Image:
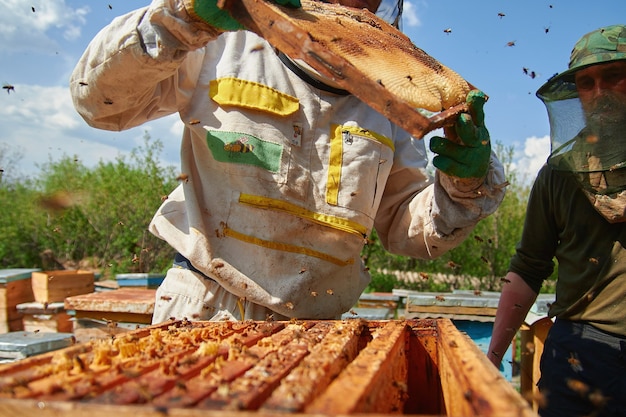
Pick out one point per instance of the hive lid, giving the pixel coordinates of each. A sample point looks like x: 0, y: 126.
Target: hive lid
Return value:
x: 15, y: 274
x: 22, y: 344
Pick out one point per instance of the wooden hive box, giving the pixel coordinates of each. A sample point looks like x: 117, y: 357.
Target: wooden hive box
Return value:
x: 102, y: 314
x: 246, y: 369
x: 140, y: 280
x: 15, y: 288
x: 48, y: 317
x: 55, y: 286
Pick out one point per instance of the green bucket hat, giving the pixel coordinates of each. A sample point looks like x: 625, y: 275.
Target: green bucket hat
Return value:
x: 602, y: 45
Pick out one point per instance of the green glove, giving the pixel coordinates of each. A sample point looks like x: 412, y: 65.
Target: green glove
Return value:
x: 467, y: 157
x: 208, y: 12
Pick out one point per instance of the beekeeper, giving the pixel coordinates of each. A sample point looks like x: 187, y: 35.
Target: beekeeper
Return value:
x: 285, y: 175
x: 576, y: 214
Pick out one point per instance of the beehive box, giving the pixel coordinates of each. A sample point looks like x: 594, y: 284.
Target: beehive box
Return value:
x: 245, y: 369
x: 48, y: 317
x: 140, y: 280
x: 15, y: 288
x: 55, y: 286
x: 103, y: 314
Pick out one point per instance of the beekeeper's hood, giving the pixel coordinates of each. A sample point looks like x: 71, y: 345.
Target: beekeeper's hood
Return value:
x: 592, y: 145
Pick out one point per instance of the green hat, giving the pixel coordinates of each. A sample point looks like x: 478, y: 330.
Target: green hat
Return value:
x: 603, y: 45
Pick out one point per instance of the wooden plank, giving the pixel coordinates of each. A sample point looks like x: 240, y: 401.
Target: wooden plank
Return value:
x: 376, y: 381
x: 125, y: 300
x: 35, y: 408
x: 113, y: 317
x: 533, y: 338
x: 471, y: 385
x: 458, y: 310
x: 315, y: 372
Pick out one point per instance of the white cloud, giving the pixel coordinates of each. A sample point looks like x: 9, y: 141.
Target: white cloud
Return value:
x: 409, y: 15
x: 45, y: 126
x: 21, y: 28
x: 532, y: 158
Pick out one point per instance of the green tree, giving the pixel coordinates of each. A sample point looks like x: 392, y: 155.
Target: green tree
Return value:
x: 96, y: 217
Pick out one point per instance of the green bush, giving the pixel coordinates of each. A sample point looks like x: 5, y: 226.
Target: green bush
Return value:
x: 89, y: 217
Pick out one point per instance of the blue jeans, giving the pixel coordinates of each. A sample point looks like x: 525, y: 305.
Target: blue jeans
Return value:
x: 583, y: 372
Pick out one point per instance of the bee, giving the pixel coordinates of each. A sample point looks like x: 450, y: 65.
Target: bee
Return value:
x: 485, y: 260
x: 239, y: 146
x: 289, y: 305
x: 448, y: 31
x: 314, y: 293
x: 536, y: 397
x: 578, y: 386
x: 257, y: 47
x: 478, y: 238
x: 194, y: 121
x: 546, y: 29
x: 453, y: 265
x: 511, y: 43
x: 183, y: 177
x: 58, y: 201
x: 440, y: 298
x: 594, y: 261
x: 501, y: 15
x: 108, y: 101
x: 9, y: 88
x: 424, y: 276
x: 575, y: 362
x: 329, y: 292
x: 135, y: 258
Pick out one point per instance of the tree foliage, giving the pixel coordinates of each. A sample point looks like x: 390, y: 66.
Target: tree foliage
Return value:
x: 88, y: 217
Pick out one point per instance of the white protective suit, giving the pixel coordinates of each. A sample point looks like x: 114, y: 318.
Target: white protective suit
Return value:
x: 284, y: 180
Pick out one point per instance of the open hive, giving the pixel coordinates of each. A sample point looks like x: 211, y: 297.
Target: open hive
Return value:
x: 184, y: 368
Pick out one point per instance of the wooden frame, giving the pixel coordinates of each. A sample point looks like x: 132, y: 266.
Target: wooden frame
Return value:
x: 424, y: 367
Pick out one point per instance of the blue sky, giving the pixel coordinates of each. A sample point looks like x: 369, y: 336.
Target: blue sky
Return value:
x: 39, y: 49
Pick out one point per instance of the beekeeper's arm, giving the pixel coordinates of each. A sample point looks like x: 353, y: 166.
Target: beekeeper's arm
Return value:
x: 145, y: 64
x: 425, y: 220
x: 516, y: 299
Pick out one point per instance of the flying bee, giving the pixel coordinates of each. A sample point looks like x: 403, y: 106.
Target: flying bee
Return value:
x: 575, y: 362
x: 9, y: 88
x: 257, y: 47
x: 239, y: 146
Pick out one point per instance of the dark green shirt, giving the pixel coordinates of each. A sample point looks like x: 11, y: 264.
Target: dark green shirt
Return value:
x: 561, y: 223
